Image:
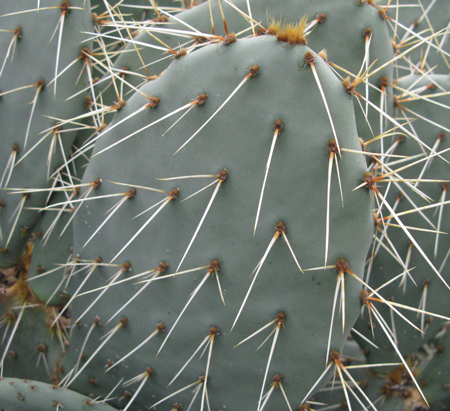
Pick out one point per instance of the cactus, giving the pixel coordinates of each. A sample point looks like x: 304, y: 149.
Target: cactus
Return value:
x: 238, y: 222
x: 227, y: 216
x: 33, y: 146
x: 27, y: 395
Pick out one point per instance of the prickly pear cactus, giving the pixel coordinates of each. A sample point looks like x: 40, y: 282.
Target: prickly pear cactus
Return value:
x: 41, y: 60
x: 244, y: 185
x: 260, y: 202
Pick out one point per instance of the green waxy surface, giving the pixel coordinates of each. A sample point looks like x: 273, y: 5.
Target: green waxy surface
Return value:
x: 436, y: 376
x: 237, y: 139
x: 29, y: 395
x: 35, y: 55
x: 31, y: 347
x: 345, y: 47
x: 53, y: 237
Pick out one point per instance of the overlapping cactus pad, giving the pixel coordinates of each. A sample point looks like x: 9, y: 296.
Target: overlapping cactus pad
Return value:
x: 224, y: 206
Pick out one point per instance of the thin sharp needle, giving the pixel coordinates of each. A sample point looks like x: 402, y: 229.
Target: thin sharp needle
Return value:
x: 376, y: 315
x: 135, y: 295
x: 260, y: 264
x: 327, y: 221
x: 9, y: 168
x: 274, y: 140
x: 266, y: 398
x: 285, y: 396
x: 267, y: 338
x: 256, y: 332
x: 420, y: 142
x: 344, y: 386
x: 339, y: 180
x: 145, y: 281
x: 17, y: 89
x: 178, y: 120
x: 317, y: 382
x: 441, y: 209
x: 196, y: 391
x: 365, y: 338
x: 319, y: 85
x: 422, y: 306
x: 176, y: 392
x: 13, y: 42
x: 83, y: 196
x: 17, y: 211
x: 13, y: 332
x: 223, y: 18
x: 429, y: 160
x: 367, y: 61
x: 336, y: 293
x: 199, y: 191
x: 206, y: 340
x: 110, y: 335
x: 204, y: 392
x: 141, y: 385
x: 111, y: 282
x: 291, y: 250
x: 406, y: 231
x: 406, y: 307
x: 194, y: 293
x: 84, y: 199
x: 65, y: 69
x: 94, y: 266
x: 58, y: 50
x: 214, y: 114
x: 382, y: 299
x: 216, y: 190
x: 167, y: 201
x: 211, y: 17
x: 426, y: 119
x: 272, y: 348
x: 37, y: 143
x: 357, y: 386
x: 134, y: 349
x: 142, y: 129
x: 95, y: 323
x: 410, y: 49
x: 113, y: 126
x: 251, y: 18
x: 220, y: 288
x: 111, y: 212
x: 342, y: 303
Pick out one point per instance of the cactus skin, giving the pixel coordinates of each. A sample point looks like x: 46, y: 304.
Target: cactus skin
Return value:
x: 428, y: 366
x: 435, y: 376
x: 29, y: 395
x: 384, y: 264
x: 344, y: 48
x: 385, y: 267
x: 35, y: 344
x: 35, y: 50
x: 47, y: 273
x: 290, y: 192
x: 53, y: 238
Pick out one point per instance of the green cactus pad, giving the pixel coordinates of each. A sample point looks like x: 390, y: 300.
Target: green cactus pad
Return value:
x: 31, y: 151
x: 237, y: 138
x: 29, y: 395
